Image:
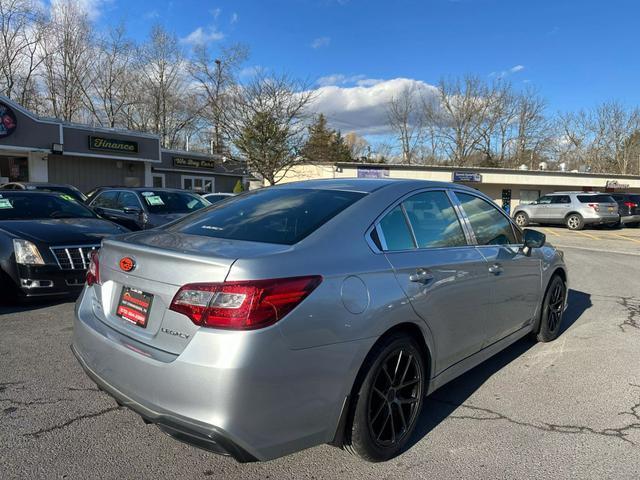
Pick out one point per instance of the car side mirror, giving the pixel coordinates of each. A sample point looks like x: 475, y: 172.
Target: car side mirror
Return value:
x: 132, y: 210
x: 533, y: 239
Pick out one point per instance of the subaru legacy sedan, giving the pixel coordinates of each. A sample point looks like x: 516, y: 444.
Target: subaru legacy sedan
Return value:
x: 313, y: 312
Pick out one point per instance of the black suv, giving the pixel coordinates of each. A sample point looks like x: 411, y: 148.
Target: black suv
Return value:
x: 629, y: 208
x: 141, y: 208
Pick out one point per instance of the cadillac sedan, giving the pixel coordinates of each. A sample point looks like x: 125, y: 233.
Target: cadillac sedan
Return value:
x: 313, y: 312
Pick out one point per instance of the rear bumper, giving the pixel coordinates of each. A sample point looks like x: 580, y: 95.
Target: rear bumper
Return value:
x: 625, y: 219
x: 602, y: 219
x: 245, y: 394
x: 197, y: 434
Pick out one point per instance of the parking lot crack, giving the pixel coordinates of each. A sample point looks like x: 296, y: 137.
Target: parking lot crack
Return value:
x: 632, y: 307
x: 486, y: 414
x: 71, y: 422
x: 5, y: 385
x: 37, y: 401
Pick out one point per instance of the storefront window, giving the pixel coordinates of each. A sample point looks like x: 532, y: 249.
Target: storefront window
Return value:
x: 198, y: 184
x: 14, y: 169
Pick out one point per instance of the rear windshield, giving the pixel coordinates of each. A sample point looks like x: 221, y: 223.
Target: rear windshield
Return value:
x: 272, y: 215
x: 27, y: 206
x: 162, y: 202
x: 596, y: 199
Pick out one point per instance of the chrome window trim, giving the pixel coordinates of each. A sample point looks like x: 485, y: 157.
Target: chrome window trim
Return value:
x: 456, y: 208
x: 492, y: 204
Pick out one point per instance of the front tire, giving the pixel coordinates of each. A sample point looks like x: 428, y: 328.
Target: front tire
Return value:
x: 521, y: 219
x: 575, y: 221
x: 552, y: 310
x: 389, y: 399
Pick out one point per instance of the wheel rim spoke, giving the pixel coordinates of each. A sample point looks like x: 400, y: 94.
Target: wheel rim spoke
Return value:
x: 394, y: 398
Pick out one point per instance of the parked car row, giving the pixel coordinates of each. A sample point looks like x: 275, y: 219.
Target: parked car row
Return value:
x: 579, y: 209
x: 48, y: 231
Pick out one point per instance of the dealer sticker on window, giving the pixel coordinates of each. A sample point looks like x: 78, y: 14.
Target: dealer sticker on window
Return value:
x: 154, y: 200
x: 68, y: 198
x: 5, y: 203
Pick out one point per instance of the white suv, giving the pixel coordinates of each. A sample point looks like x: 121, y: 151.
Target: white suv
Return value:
x: 574, y: 209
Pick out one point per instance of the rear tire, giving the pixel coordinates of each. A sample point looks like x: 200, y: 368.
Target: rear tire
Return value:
x: 552, y: 310
x: 521, y: 219
x: 388, y: 400
x: 574, y: 221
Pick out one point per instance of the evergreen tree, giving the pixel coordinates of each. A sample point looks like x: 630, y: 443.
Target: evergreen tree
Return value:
x: 325, y: 144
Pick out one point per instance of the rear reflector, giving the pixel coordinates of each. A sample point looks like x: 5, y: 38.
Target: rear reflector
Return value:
x: 93, y: 272
x: 246, y: 305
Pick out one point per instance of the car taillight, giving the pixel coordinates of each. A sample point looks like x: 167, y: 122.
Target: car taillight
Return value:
x: 595, y: 206
x: 93, y: 272
x: 245, y: 305
x: 630, y: 204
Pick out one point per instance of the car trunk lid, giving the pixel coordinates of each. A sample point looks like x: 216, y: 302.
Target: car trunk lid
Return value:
x: 160, y: 264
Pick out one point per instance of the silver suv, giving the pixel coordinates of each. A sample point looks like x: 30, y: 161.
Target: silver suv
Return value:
x: 574, y: 209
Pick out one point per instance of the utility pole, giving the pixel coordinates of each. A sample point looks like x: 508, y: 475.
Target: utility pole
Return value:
x: 216, y: 107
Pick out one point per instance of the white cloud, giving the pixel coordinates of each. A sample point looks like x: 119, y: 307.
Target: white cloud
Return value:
x: 321, y: 42
x: 234, y: 18
x: 201, y: 36
x: 506, y: 73
x: 340, y: 79
x: 251, y: 71
x: 92, y: 8
x: 363, y: 108
x: 216, y: 13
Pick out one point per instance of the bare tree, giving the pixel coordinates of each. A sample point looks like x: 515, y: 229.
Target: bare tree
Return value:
x: 110, y: 87
x: 68, y: 57
x: 168, y: 104
x: 458, y: 116
x: 21, y: 31
x: 358, y: 146
x: 406, y: 120
x: 216, y: 75
x: 267, y: 123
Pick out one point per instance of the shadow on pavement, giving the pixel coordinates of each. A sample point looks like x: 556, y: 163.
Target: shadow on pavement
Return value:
x: 439, y: 405
x: 31, y: 305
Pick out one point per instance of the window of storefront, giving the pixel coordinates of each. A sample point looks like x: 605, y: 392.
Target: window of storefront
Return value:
x: 529, y: 196
x: 198, y: 184
x: 14, y: 169
x: 158, y: 180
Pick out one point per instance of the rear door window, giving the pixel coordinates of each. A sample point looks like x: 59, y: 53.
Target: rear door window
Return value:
x: 434, y: 221
x: 561, y: 199
x: 596, y: 199
x: 272, y: 215
x: 490, y: 226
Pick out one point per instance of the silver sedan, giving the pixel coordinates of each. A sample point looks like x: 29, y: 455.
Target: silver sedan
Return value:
x: 312, y: 312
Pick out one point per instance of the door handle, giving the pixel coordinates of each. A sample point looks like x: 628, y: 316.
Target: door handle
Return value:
x: 496, y: 269
x: 421, y: 276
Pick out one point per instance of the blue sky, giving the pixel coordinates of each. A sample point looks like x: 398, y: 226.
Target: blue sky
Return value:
x: 577, y: 53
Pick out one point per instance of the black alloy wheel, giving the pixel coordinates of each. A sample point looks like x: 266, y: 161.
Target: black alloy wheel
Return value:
x: 552, y: 310
x: 388, y: 400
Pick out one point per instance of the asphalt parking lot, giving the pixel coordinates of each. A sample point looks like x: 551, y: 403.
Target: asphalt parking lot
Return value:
x: 566, y: 409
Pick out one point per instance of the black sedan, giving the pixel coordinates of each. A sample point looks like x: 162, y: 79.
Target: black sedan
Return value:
x: 45, y: 243
x: 144, y: 207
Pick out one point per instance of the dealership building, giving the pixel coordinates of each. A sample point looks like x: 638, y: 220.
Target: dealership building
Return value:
x: 35, y: 149
x: 507, y: 187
